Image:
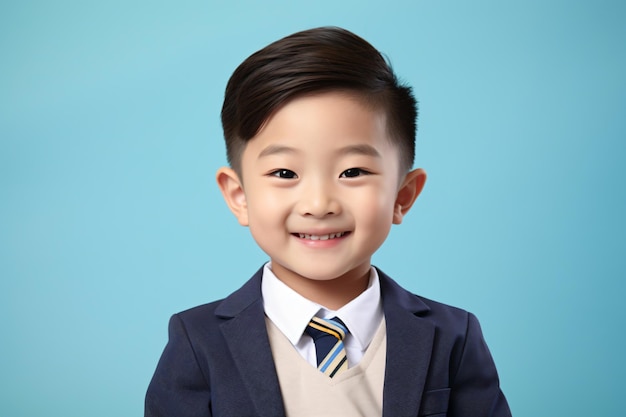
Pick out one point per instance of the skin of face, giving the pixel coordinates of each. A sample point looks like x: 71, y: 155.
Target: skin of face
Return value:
x: 320, y: 188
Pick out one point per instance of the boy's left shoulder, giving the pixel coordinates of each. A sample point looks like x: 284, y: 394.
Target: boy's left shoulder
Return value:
x: 445, y: 317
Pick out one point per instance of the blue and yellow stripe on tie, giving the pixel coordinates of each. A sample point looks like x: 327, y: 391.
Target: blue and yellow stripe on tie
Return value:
x: 331, y: 357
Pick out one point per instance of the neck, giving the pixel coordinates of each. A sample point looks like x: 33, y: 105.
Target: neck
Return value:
x: 331, y: 294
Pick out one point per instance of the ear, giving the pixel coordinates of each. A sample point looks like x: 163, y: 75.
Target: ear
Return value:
x: 407, y: 194
x: 232, y: 191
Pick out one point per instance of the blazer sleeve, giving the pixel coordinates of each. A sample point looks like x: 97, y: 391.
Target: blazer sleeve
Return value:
x: 476, y: 386
x: 178, y: 387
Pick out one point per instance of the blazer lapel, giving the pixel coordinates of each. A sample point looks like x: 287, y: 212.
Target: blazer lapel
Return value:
x: 409, y: 347
x: 247, y: 339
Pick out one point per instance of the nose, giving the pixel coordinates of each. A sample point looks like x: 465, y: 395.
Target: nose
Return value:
x: 318, y: 199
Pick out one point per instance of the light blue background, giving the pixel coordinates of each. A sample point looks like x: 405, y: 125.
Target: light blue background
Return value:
x: 110, y: 220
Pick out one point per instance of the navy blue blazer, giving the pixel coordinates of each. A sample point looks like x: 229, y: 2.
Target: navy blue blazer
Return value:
x: 218, y: 361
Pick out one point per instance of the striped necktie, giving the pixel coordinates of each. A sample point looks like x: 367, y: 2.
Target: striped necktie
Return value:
x: 328, y: 337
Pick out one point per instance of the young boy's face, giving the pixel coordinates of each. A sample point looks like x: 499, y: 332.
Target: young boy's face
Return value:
x: 321, y: 186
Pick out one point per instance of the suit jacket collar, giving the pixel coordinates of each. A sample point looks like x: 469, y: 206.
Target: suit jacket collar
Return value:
x: 248, y: 295
x: 409, y: 346
x: 246, y: 337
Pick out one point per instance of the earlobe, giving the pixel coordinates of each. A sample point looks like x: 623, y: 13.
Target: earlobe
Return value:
x: 232, y: 190
x: 407, y: 194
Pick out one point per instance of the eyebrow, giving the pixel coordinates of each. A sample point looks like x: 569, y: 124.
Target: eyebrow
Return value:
x: 276, y: 149
x: 362, y: 149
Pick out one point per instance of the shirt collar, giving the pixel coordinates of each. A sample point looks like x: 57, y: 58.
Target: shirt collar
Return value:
x: 291, y: 312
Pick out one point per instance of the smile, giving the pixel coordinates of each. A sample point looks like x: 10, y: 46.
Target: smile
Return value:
x: 321, y: 237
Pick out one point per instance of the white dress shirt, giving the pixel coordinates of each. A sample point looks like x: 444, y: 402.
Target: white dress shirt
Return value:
x: 291, y: 313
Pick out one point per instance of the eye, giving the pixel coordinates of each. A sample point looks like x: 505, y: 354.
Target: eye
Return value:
x: 284, y: 173
x: 353, y: 172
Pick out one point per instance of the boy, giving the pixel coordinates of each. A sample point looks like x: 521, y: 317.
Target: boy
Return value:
x: 320, y: 138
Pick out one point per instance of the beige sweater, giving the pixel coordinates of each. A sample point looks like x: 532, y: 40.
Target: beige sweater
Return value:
x: 308, y: 392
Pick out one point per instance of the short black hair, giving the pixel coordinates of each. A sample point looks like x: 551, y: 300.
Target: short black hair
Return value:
x: 312, y: 62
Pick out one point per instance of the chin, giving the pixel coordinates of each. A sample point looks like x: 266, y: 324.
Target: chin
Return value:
x: 315, y: 274
x: 322, y: 277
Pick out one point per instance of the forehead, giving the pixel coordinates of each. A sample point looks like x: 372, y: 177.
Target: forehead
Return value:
x: 345, y: 117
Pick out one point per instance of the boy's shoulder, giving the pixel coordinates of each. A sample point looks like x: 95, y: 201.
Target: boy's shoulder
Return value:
x: 246, y: 298
x: 443, y: 316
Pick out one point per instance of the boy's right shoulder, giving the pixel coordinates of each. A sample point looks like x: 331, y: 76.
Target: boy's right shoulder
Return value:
x: 246, y: 297
x: 200, y: 311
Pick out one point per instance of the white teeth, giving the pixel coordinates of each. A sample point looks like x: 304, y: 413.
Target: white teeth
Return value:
x: 321, y: 237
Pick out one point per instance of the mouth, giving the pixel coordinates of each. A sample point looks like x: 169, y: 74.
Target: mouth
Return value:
x: 320, y: 237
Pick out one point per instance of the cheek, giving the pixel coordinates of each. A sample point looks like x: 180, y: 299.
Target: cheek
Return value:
x: 265, y: 209
x: 375, y: 209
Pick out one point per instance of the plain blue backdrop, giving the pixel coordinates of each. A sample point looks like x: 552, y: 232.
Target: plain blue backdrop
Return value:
x: 110, y: 219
